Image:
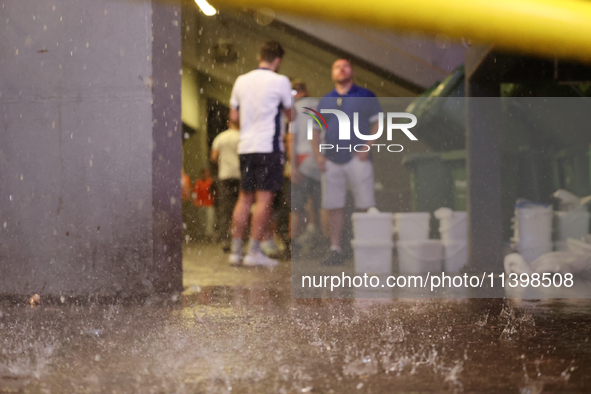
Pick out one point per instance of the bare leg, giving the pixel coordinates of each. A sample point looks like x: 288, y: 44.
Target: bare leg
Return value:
x: 270, y: 229
x: 297, y: 225
x: 261, y: 214
x: 311, y: 213
x: 241, y: 214
x: 336, y: 219
x: 325, y: 222
x: 300, y: 220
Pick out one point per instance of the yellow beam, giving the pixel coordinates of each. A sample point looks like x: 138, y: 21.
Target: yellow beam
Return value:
x: 548, y: 28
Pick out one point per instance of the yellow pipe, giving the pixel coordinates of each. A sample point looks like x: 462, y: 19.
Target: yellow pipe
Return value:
x: 548, y: 28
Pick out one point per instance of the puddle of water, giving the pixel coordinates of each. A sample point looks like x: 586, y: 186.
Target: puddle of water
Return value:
x: 224, y: 339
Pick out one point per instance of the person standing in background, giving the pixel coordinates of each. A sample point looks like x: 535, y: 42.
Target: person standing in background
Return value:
x: 344, y: 167
x: 305, y: 175
x: 203, y: 199
x: 279, y: 223
x: 224, y: 152
x: 259, y: 100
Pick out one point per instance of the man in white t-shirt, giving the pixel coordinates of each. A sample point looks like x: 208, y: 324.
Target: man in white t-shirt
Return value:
x: 224, y: 152
x: 259, y: 100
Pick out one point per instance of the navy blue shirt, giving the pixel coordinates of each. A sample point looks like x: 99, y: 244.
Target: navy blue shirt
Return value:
x: 366, y: 108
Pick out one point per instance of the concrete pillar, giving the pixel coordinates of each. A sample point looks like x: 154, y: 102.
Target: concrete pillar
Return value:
x: 90, y: 147
x: 483, y: 142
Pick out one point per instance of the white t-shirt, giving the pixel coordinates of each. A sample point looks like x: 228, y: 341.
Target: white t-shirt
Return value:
x: 260, y: 96
x: 226, y: 143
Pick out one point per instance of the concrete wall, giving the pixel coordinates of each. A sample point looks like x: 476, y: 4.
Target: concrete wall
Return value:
x: 194, y: 114
x: 87, y: 89
x: 190, y: 98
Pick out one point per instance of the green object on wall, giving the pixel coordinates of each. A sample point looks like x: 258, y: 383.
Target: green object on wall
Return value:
x: 431, y: 183
x: 438, y: 179
x: 455, y: 161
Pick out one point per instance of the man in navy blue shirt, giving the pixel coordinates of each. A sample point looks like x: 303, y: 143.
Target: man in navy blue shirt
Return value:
x: 346, y: 161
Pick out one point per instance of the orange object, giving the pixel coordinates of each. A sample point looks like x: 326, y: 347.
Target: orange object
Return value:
x: 185, y: 187
x: 202, y: 192
x: 300, y: 159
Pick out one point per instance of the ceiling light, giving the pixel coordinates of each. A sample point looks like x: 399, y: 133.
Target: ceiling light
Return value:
x: 206, y: 7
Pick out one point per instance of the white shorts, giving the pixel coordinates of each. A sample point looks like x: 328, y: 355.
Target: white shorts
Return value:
x: 357, y: 174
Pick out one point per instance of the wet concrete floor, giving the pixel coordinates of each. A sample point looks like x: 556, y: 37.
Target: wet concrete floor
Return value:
x: 239, y: 331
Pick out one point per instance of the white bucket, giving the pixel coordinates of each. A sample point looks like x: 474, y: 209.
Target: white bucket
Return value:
x: 455, y: 256
x: 533, y: 231
x: 373, y: 226
x: 453, y: 226
x: 412, y: 226
x: 372, y: 257
x: 419, y: 257
x: 532, y: 252
x: 571, y: 224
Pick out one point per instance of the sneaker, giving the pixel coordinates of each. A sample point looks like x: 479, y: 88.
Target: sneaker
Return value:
x: 258, y: 259
x: 309, y: 237
x: 306, y: 237
x: 269, y: 248
x: 334, y: 258
x: 235, y: 259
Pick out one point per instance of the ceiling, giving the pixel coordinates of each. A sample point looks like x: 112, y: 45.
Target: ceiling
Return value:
x: 306, y: 57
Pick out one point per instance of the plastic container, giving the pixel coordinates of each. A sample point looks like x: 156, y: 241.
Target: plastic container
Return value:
x: 455, y: 256
x: 412, y: 226
x: 419, y: 257
x: 571, y: 224
x: 453, y: 225
x: 532, y: 252
x: 533, y: 230
x: 373, y: 226
x: 579, y: 247
x: 372, y: 257
x: 455, y: 161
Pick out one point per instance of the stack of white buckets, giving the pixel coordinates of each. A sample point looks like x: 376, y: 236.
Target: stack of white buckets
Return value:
x: 532, y: 230
x: 372, y: 243
x: 417, y: 254
x: 534, y: 224
x: 453, y: 228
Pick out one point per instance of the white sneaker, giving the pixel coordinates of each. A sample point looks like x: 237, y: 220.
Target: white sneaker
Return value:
x: 258, y: 259
x: 235, y: 259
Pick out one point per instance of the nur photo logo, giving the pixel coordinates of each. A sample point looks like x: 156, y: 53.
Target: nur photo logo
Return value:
x: 344, y: 132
